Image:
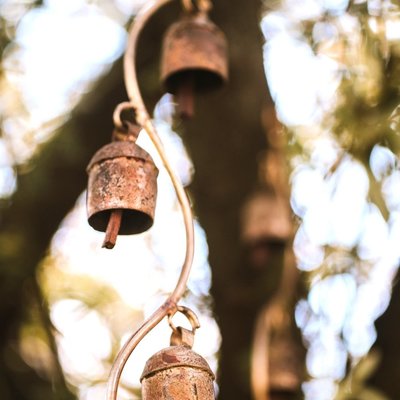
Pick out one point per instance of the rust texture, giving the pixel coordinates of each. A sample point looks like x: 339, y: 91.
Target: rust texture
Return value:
x: 177, y: 373
x: 194, y: 51
x: 122, y: 176
x: 182, y: 336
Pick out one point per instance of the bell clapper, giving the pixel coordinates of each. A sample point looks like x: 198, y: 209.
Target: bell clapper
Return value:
x: 185, y: 98
x: 112, y: 231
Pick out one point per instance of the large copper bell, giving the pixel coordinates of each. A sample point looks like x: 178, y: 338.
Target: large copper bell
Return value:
x: 194, y: 59
x: 122, y: 187
x: 177, y: 373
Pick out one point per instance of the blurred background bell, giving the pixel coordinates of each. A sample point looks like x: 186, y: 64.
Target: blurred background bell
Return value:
x: 266, y: 225
x: 194, y: 59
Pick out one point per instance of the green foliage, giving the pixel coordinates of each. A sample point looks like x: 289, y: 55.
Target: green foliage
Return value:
x: 355, y: 386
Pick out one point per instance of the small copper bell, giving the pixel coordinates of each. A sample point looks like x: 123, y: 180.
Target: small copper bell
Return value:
x: 194, y: 59
x: 266, y: 225
x: 177, y: 373
x: 266, y: 216
x: 122, y: 190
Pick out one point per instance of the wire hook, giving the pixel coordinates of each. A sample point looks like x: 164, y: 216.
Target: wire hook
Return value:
x: 117, y: 117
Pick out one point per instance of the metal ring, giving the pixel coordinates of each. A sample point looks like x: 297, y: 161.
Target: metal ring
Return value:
x: 188, y: 313
x: 126, y: 105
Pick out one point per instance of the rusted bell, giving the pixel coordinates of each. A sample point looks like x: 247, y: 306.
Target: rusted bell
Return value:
x: 122, y: 189
x: 266, y: 216
x: 194, y: 59
x: 266, y: 226
x: 177, y: 373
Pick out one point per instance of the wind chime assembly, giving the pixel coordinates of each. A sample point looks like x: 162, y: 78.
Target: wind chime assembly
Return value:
x: 122, y: 189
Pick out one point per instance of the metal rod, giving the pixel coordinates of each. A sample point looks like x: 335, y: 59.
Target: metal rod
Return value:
x: 143, y: 118
x: 114, y: 224
x: 185, y: 98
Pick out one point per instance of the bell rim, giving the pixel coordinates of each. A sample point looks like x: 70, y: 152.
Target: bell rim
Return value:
x: 217, y: 79
x: 98, y: 220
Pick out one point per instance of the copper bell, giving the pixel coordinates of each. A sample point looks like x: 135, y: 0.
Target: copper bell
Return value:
x: 122, y: 182
x: 194, y: 59
x: 266, y: 226
x: 177, y: 373
x: 266, y: 216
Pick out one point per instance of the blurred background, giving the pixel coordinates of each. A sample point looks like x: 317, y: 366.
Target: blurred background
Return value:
x: 295, y: 302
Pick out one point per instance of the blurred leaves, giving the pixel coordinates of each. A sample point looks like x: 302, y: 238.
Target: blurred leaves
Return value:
x: 345, y: 161
x: 92, y: 294
x: 355, y: 387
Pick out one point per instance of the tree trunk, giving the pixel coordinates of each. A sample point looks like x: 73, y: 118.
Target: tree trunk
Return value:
x: 225, y: 140
x: 386, y: 376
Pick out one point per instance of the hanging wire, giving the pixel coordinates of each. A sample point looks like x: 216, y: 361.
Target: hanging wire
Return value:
x: 136, y: 102
x: 143, y: 119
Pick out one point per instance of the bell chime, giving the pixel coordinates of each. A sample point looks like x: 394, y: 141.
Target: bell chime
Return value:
x: 194, y: 60
x: 122, y: 188
x: 266, y: 226
x: 177, y: 372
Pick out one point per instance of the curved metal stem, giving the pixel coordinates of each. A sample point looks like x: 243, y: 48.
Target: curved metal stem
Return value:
x: 143, y: 118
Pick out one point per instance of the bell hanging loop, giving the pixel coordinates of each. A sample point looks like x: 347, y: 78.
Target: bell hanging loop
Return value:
x: 194, y: 59
x: 188, y: 313
x: 177, y: 372
x: 121, y: 124
x: 122, y: 187
x: 199, y: 5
